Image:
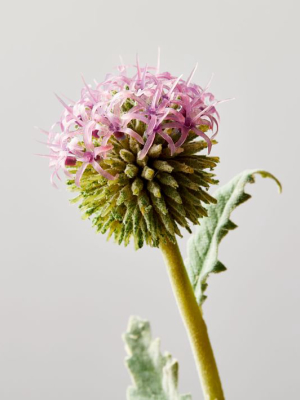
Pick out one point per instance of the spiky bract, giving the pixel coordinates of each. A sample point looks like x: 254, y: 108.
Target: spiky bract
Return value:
x: 151, y: 198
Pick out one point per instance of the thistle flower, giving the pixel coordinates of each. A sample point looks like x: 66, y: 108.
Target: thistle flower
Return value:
x: 129, y: 148
x: 134, y: 149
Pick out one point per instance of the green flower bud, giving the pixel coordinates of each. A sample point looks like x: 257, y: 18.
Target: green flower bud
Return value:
x: 151, y: 198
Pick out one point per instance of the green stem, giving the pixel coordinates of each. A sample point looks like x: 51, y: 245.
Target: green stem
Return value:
x: 194, y: 322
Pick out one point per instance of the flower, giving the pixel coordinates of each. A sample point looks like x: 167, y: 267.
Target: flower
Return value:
x: 129, y: 147
x: 147, y: 106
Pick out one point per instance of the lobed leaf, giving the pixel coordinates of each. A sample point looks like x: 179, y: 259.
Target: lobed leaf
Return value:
x: 203, y: 245
x: 154, y: 376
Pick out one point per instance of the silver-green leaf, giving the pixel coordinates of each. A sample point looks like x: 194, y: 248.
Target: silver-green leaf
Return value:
x: 203, y: 245
x: 154, y: 376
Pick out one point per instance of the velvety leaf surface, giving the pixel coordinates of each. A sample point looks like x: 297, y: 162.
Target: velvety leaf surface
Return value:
x: 154, y: 376
x: 204, y: 243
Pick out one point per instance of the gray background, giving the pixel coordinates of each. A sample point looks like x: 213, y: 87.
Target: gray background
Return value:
x: 66, y: 294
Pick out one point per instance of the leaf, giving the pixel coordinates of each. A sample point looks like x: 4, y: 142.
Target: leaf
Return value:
x: 154, y: 376
x: 203, y: 245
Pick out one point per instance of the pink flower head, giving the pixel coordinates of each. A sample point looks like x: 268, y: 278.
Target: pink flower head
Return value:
x: 167, y: 106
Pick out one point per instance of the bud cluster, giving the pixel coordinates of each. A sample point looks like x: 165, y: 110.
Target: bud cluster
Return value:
x: 151, y: 198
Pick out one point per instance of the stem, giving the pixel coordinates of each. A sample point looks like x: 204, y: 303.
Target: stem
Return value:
x: 194, y: 322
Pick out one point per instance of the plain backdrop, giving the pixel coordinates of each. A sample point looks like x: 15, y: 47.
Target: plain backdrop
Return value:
x: 65, y: 293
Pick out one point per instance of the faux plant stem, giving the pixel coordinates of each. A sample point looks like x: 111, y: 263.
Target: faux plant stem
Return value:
x: 194, y: 322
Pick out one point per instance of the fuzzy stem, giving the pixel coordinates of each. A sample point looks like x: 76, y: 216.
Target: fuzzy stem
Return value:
x: 194, y: 322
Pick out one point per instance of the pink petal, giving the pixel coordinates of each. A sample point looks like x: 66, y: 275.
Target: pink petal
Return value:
x: 103, y: 172
x: 88, y: 89
x: 205, y: 137
x: 191, y: 75
x: 79, y: 173
x: 133, y: 134
x: 102, y: 149
x: 64, y: 104
x: 169, y: 140
x: 183, y: 137
x: 87, y: 135
x: 147, y: 146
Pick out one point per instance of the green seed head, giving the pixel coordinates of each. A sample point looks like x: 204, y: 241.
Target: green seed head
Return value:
x: 151, y: 198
